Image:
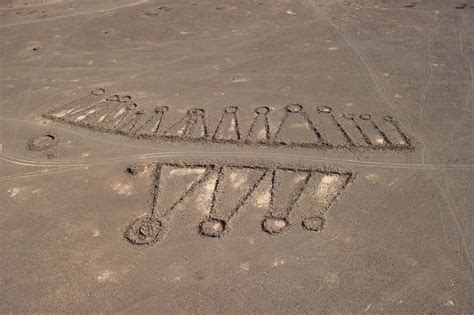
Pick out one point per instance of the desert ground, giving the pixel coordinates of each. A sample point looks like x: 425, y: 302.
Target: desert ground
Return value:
x: 259, y: 156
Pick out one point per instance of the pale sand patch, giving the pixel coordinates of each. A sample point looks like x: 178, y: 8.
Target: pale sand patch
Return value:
x: 120, y: 112
x: 373, y: 178
x: 299, y: 178
x: 187, y: 171
x: 204, y: 199
x: 300, y: 125
x: 262, y: 200
x: 88, y: 113
x: 277, y: 262
x: 232, y: 126
x: 237, y: 179
x: 245, y: 266
x: 106, y: 276
x: 328, y: 184
x: 122, y: 189
x: 14, y: 191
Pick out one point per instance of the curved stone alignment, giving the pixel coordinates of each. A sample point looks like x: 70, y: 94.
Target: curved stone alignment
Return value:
x: 309, y: 192
x: 324, y: 129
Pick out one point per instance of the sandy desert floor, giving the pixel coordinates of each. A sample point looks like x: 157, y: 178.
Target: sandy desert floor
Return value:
x: 236, y: 156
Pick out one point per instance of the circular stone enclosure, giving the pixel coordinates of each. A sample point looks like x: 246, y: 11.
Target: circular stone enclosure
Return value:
x: 43, y: 142
x: 144, y: 231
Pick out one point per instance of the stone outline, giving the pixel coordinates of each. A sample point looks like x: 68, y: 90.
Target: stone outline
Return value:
x: 128, y: 119
x: 151, y: 228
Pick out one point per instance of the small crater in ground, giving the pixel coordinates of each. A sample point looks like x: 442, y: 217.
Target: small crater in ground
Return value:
x: 43, y: 142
